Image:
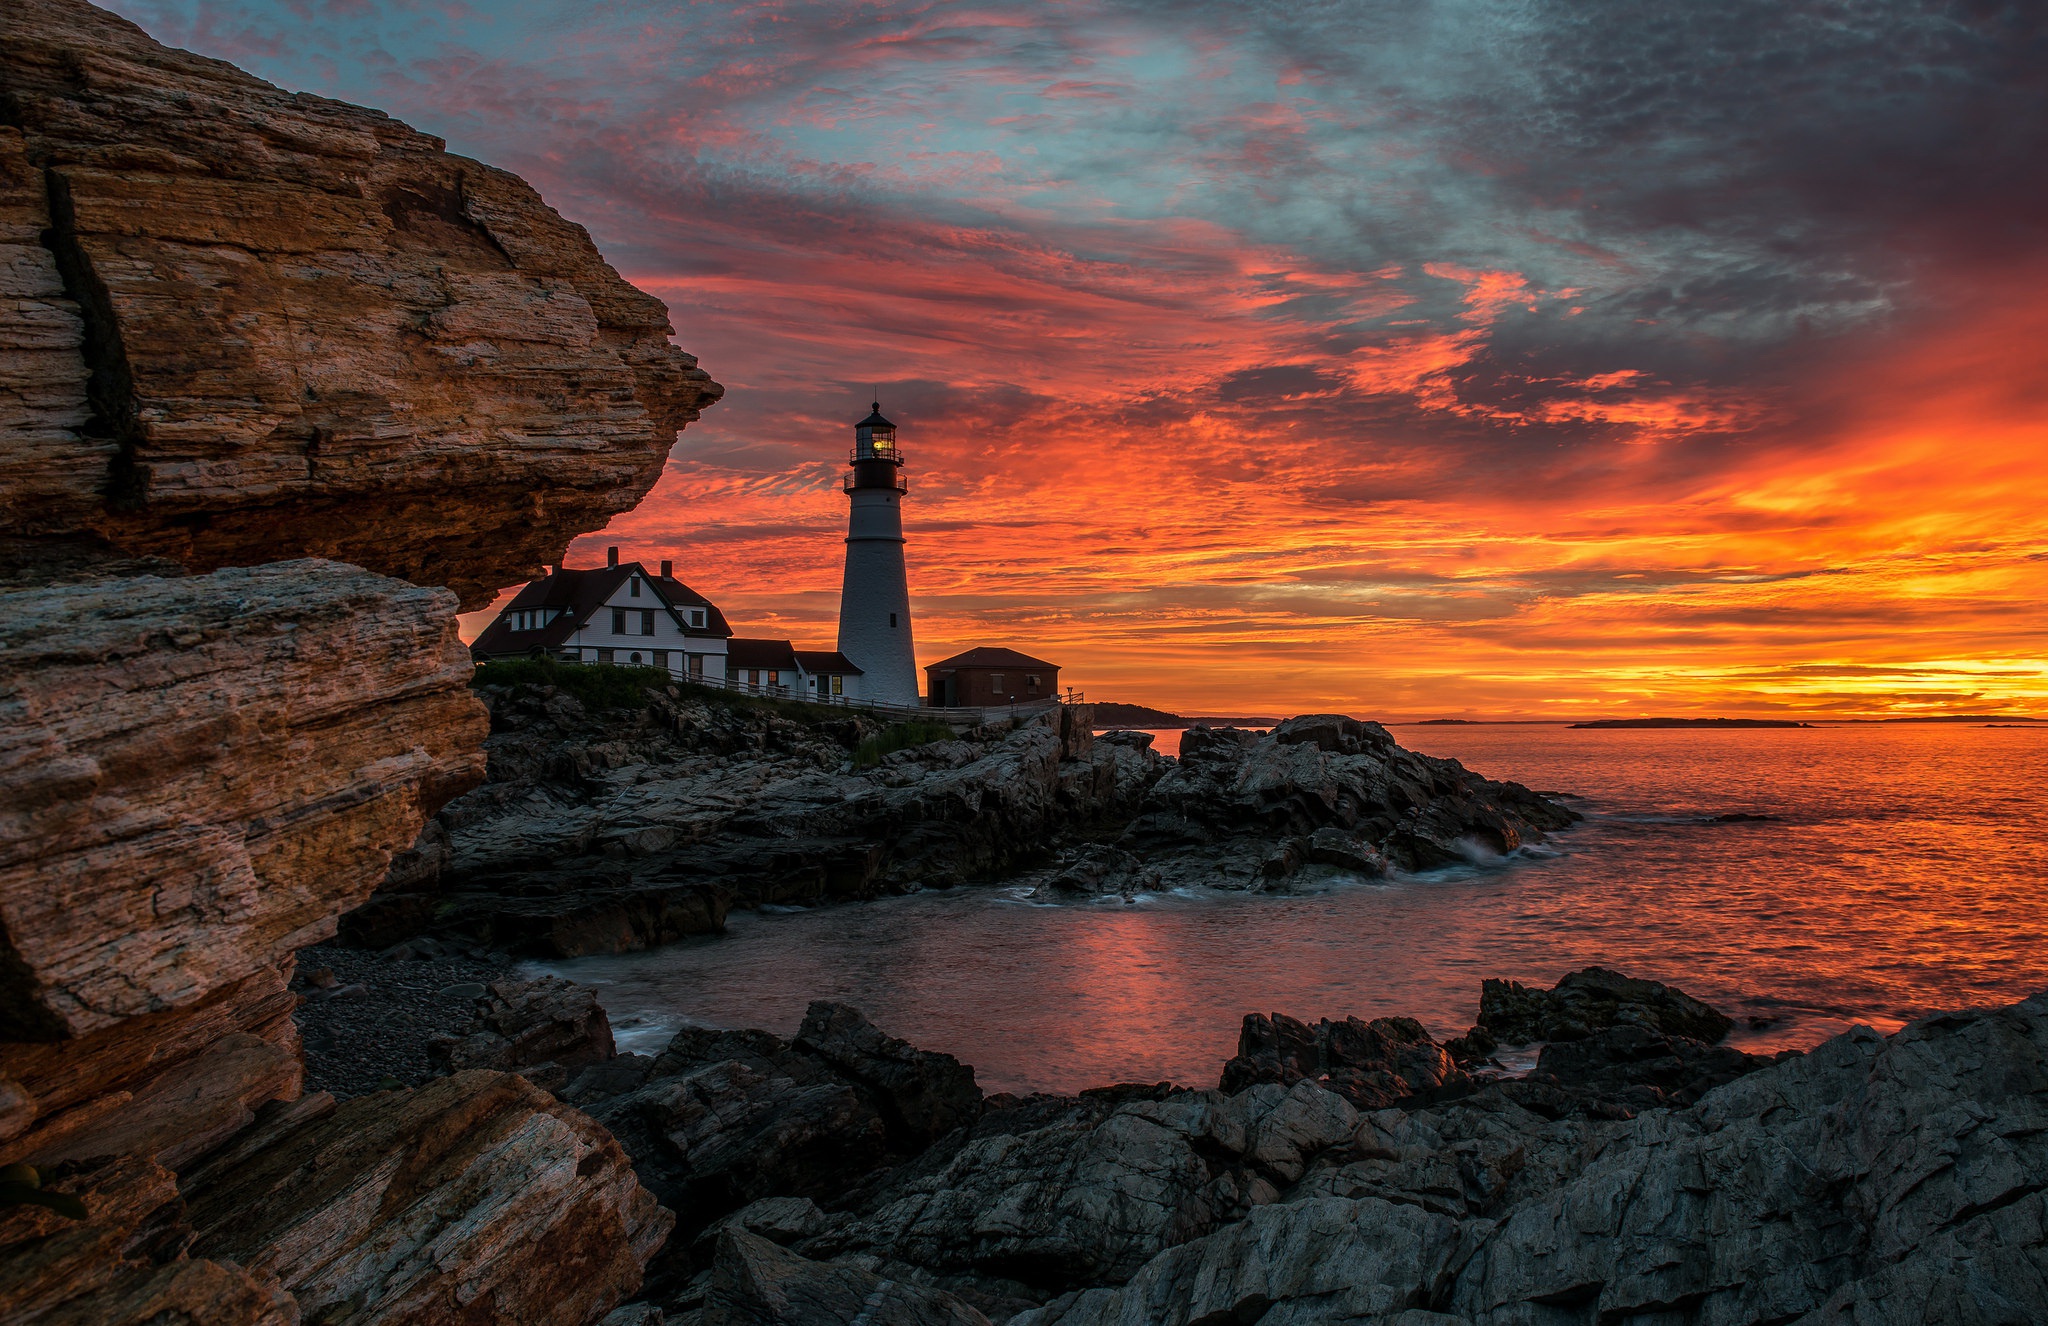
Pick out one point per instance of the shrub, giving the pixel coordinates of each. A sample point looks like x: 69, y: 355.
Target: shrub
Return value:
x: 899, y: 736
x: 596, y: 685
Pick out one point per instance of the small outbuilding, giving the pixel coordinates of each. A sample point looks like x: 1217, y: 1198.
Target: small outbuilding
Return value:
x: 990, y: 675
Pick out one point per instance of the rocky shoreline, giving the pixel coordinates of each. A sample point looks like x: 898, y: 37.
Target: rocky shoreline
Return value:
x: 608, y: 829
x: 1342, y: 1171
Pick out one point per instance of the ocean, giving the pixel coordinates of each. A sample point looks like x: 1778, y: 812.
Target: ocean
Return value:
x: 1900, y: 872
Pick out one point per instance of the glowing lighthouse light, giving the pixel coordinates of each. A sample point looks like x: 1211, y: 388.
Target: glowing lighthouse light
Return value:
x: 874, y: 599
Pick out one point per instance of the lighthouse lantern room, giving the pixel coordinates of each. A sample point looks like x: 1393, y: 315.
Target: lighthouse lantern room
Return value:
x: 874, y: 598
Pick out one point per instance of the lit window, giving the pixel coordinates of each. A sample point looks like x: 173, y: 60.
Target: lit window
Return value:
x: 753, y: 676
x: 839, y: 685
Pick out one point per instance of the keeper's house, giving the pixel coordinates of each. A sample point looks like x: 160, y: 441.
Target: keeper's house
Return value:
x: 990, y: 675
x: 776, y: 667
x: 616, y: 614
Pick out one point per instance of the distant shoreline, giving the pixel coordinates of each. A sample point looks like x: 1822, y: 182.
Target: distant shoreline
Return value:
x: 1114, y: 714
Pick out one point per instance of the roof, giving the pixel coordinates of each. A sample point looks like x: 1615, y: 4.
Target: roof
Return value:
x: 815, y: 661
x: 759, y: 654
x: 992, y: 656
x: 875, y: 419
x: 581, y: 594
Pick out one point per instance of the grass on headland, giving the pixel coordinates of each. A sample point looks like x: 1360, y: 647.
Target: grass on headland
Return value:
x: 622, y: 686
x: 899, y: 736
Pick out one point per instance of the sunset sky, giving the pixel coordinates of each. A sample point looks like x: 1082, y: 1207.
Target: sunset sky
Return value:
x: 1409, y: 358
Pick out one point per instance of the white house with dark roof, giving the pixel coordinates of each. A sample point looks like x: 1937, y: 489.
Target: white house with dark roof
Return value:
x: 776, y: 667
x: 619, y: 613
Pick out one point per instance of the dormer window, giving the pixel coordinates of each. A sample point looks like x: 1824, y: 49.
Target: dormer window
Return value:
x: 696, y: 616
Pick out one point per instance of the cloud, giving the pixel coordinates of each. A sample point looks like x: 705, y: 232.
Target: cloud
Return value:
x: 1486, y: 353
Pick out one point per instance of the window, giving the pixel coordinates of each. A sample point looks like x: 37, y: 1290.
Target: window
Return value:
x: 696, y: 665
x: 604, y: 655
x: 839, y: 685
x: 618, y: 621
x: 661, y: 658
x: 1031, y: 683
x: 995, y: 681
x: 647, y: 622
x: 753, y: 676
x: 696, y: 616
x: 774, y: 677
x: 632, y: 658
x: 635, y: 590
x: 892, y: 619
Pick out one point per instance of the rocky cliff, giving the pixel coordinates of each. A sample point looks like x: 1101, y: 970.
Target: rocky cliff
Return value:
x: 281, y: 385
x: 243, y: 324
x: 611, y: 829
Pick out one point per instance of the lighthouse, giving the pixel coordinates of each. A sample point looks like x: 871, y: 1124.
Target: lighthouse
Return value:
x: 874, y: 598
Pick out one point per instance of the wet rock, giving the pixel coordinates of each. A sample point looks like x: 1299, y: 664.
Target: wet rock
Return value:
x: 756, y: 1283
x: 1641, y: 1068
x: 1323, y: 793
x: 924, y: 1095
x: 545, y: 1023
x: 1096, y: 869
x: 469, y: 1198
x: 1592, y: 1000
x: 1371, y: 1064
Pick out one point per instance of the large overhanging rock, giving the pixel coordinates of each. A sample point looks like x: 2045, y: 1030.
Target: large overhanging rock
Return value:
x: 198, y: 775
x: 239, y: 324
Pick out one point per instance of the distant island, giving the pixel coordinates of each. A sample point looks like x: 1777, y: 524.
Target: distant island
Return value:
x: 1693, y: 722
x: 1109, y: 713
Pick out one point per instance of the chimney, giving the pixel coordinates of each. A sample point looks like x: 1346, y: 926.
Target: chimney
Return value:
x: 556, y: 569
x: 611, y: 557
x: 668, y: 570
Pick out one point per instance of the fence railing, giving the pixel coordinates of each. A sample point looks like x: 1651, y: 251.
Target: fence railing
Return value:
x: 970, y: 715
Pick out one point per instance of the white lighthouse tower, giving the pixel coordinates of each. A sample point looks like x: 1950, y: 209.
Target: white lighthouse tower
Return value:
x: 874, y: 599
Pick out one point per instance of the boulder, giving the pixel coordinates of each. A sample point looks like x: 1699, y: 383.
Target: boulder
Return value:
x: 923, y: 1094
x: 1641, y: 1068
x: 756, y: 1283
x: 1371, y: 1064
x: 1592, y: 1000
x: 544, y: 1028
x: 477, y: 1197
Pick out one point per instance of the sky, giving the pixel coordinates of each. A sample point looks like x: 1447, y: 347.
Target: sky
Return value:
x: 1404, y: 358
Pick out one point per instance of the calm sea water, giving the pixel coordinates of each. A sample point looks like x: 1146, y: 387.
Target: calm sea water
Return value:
x: 1903, y: 873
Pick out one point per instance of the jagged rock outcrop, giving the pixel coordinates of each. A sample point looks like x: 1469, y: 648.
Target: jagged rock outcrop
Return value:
x: 544, y: 1029
x: 1590, y: 1001
x: 756, y: 1283
x: 625, y: 829
x: 244, y: 324
x: 478, y: 1197
x: 1323, y: 795
x: 1371, y: 1064
x: 126, y: 1261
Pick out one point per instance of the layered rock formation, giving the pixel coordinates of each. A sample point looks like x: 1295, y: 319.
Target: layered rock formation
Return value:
x: 622, y: 829
x: 243, y: 332
x: 1324, y: 795
x: 245, y: 324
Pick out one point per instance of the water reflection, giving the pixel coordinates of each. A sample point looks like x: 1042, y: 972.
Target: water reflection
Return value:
x: 1899, y: 874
